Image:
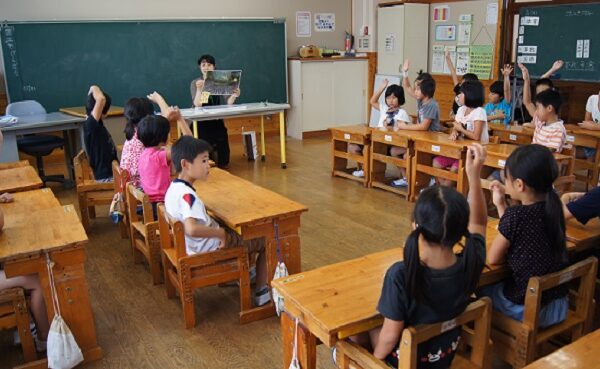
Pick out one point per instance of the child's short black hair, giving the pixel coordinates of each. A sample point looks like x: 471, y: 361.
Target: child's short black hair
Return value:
x: 427, y: 87
x: 423, y: 75
x: 136, y: 108
x: 470, y: 77
x: 474, y: 93
x: 153, y: 130
x: 544, y: 82
x: 187, y: 148
x: 207, y: 58
x: 397, y: 91
x: 549, y: 97
x: 497, y: 88
x: 91, y: 102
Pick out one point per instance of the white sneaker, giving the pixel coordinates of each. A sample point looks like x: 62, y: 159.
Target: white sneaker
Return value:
x: 359, y: 173
x: 262, y: 296
x: 402, y: 182
x: 431, y: 182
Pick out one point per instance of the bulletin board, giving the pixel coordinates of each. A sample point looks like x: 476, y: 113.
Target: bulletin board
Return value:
x: 469, y: 31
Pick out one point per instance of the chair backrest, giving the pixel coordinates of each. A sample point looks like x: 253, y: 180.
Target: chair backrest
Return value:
x: 83, y: 170
x: 580, y: 304
x: 135, y: 197
x: 171, y: 232
x: 24, y: 108
x: 120, y: 178
x: 479, y: 313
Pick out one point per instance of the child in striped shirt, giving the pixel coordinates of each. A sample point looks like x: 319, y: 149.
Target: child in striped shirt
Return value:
x: 549, y: 128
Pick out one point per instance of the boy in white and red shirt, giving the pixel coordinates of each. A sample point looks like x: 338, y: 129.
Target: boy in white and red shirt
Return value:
x: 549, y: 128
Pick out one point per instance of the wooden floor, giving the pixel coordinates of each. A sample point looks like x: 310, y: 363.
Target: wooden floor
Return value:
x: 138, y: 327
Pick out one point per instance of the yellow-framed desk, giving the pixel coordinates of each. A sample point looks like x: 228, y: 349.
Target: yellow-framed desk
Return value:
x: 243, y: 110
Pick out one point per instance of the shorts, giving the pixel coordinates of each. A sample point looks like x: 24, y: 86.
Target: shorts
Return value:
x: 552, y: 313
x: 232, y: 239
x: 589, y: 152
x: 446, y: 163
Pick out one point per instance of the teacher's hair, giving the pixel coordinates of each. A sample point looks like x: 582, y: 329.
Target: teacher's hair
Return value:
x: 207, y: 58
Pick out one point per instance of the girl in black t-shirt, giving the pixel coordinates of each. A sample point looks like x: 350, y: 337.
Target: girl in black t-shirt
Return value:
x: 433, y: 284
x: 531, y: 236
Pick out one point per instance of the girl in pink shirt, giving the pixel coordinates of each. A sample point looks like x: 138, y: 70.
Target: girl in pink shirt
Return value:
x: 136, y: 108
x: 154, y: 166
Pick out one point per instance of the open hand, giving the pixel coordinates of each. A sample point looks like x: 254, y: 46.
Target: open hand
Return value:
x: 587, y: 124
x: 476, y: 154
x: 557, y: 65
x: 406, y: 65
x: 498, y: 193
x: 524, y: 70
x: 507, y: 70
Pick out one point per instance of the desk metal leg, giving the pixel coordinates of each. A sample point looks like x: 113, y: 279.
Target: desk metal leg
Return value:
x: 9, y: 152
x: 195, y: 129
x: 282, y: 138
x: 262, y: 137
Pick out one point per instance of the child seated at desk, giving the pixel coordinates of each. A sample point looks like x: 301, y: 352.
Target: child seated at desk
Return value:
x: 531, y: 236
x: 498, y: 109
x: 470, y: 122
x: 549, y: 128
x: 136, y: 108
x: 37, y: 305
x: 433, y: 284
x: 154, y: 166
x: 99, y: 145
x: 466, y: 77
x: 202, y: 233
x: 591, y: 122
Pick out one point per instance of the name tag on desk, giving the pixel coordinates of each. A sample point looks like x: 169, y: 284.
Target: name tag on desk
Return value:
x: 570, y: 138
x: 435, y: 148
x: 387, y: 138
x: 346, y: 136
x: 501, y: 163
x: 512, y: 137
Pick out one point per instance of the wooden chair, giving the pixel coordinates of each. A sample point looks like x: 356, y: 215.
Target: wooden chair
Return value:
x: 144, y: 237
x: 381, y: 142
x: 15, y: 314
x: 479, y: 313
x: 121, y: 177
x: 183, y: 273
x: 89, y: 192
x: 341, y: 137
x: 517, y: 342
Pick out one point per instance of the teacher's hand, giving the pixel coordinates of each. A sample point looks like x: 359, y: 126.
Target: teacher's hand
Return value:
x: 237, y: 92
x: 200, y: 84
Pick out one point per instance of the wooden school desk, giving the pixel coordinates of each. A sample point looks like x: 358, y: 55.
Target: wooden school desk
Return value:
x: 79, y: 111
x: 381, y: 142
x: 518, y: 135
x: 30, y: 201
x: 243, y: 110
x: 581, y: 354
x: 340, y: 300
x: 255, y: 212
x: 23, y: 250
x: 19, y: 179
x: 580, y: 137
x: 341, y: 137
x: 14, y: 164
x: 427, y: 145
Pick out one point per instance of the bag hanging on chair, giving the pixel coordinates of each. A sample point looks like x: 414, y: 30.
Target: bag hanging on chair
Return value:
x: 62, y: 349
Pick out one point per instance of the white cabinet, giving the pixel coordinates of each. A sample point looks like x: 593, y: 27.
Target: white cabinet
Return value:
x: 326, y: 94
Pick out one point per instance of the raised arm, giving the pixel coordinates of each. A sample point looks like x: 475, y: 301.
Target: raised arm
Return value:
x: 171, y: 113
x: 476, y: 154
x: 100, y: 102
x: 451, y: 67
x: 374, y: 101
x: 405, y: 81
x: 527, y: 91
x: 555, y: 67
x: 506, y: 71
x: 199, y: 90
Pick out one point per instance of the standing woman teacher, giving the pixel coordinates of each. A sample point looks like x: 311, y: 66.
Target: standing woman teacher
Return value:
x: 213, y: 131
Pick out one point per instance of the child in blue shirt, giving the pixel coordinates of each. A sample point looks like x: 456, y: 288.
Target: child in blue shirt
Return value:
x: 498, y: 108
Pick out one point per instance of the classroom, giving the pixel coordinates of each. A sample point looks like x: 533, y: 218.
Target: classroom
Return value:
x: 352, y: 184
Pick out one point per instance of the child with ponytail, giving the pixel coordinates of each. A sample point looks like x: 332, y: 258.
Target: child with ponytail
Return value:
x: 433, y: 284
x: 531, y: 236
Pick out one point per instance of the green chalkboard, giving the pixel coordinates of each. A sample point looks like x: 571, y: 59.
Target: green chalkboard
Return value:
x: 567, y: 32
x: 55, y: 63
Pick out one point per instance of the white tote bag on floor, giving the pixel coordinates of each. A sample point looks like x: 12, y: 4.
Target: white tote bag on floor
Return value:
x: 62, y: 349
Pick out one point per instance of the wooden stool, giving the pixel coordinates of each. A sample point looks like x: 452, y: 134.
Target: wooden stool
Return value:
x: 479, y: 313
x: 15, y: 314
x: 341, y: 137
x: 381, y: 143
